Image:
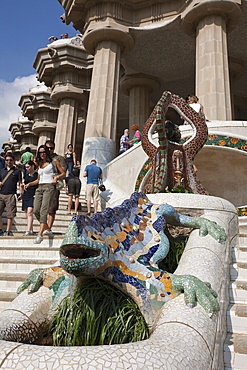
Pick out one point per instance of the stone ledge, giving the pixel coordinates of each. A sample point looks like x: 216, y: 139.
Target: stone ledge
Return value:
x: 7, y: 296
x: 240, y: 343
x: 241, y: 310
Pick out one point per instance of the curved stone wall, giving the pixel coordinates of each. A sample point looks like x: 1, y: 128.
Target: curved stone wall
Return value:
x: 183, y: 337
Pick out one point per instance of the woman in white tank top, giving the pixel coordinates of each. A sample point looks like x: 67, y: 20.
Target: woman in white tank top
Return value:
x: 46, y: 189
x: 46, y: 174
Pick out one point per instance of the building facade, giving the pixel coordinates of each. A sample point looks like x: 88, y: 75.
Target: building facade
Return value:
x: 111, y: 75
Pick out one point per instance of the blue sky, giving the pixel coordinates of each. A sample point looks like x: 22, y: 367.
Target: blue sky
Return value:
x: 24, y: 28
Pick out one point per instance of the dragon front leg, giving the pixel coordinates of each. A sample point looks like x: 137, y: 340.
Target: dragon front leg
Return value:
x: 194, y: 291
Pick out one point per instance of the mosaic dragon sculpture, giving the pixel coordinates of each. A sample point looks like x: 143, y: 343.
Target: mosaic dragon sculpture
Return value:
x: 123, y: 245
x: 172, y: 163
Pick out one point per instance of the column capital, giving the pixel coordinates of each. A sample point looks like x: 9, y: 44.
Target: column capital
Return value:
x: 62, y: 90
x: 64, y: 56
x: 108, y: 30
x: 128, y: 82
x: 228, y: 9
x: 35, y: 101
x: 37, y: 106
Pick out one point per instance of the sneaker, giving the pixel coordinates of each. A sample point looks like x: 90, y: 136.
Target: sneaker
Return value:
x: 8, y: 233
x: 1, y: 232
x: 28, y: 233
x: 48, y: 232
x: 38, y: 239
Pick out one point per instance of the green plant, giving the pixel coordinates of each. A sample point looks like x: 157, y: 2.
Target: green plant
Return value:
x: 170, y: 263
x: 178, y: 189
x: 97, y: 314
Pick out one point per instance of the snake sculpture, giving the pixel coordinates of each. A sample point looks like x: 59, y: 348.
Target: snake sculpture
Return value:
x: 123, y: 246
x: 172, y: 163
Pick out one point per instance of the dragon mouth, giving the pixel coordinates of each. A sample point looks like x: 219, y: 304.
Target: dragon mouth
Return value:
x: 79, y: 251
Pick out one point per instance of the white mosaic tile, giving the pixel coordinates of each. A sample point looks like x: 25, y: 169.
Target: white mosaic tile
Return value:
x: 166, y: 347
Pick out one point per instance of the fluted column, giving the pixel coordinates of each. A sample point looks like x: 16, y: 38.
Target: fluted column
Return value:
x: 212, y: 71
x: 44, y: 136
x: 139, y: 88
x: 108, y: 42
x: 237, y: 69
x: 66, y: 124
x: 65, y: 66
x: 210, y: 21
x: 102, y: 109
x: 139, y: 106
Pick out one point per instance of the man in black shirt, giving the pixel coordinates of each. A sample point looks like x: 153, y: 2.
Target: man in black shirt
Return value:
x: 12, y: 176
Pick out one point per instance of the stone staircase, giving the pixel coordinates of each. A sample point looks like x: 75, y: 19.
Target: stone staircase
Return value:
x: 235, y: 348
x: 19, y: 255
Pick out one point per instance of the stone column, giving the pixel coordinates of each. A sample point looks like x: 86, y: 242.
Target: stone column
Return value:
x: 66, y: 67
x: 39, y: 108
x: 66, y: 124
x: 210, y: 21
x: 212, y: 72
x: 139, y: 88
x: 237, y: 69
x: 102, y: 109
x: 107, y: 44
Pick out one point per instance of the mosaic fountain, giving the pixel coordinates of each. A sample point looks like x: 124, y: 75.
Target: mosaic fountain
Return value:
x: 123, y: 245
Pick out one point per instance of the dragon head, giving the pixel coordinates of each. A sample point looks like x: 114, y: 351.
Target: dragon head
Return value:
x: 80, y: 255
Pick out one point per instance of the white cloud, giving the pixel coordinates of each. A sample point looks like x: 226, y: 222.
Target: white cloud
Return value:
x: 10, y: 93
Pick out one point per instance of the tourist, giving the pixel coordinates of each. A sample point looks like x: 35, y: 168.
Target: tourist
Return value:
x: 137, y: 134
x: 70, y: 159
x: 124, y: 142
x: 55, y: 201
x: 93, y: 174
x: 73, y: 188
x: 193, y: 102
x: 28, y: 195
x: 2, y: 160
x: 10, y: 176
x: 25, y: 157
x: 78, y: 166
x: 47, y: 180
x: 52, y: 39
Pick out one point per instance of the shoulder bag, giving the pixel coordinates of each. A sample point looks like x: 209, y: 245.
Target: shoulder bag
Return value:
x: 6, y: 177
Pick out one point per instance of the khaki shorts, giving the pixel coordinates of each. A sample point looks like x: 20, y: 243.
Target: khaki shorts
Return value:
x: 92, y: 192
x: 10, y: 202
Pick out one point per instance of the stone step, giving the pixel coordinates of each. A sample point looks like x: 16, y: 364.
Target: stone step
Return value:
x: 61, y: 211
x: 237, y: 319
x: 9, y: 282
x: 242, y: 239
x: 235, y: 356
x: 28, y: 251
x: 60, y: 225
x: 239, y: 254
x: 238, y: 270
x: 54, y: 240
x: 24, y: 264
x: 7, y: 297
x: 238, y: 292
